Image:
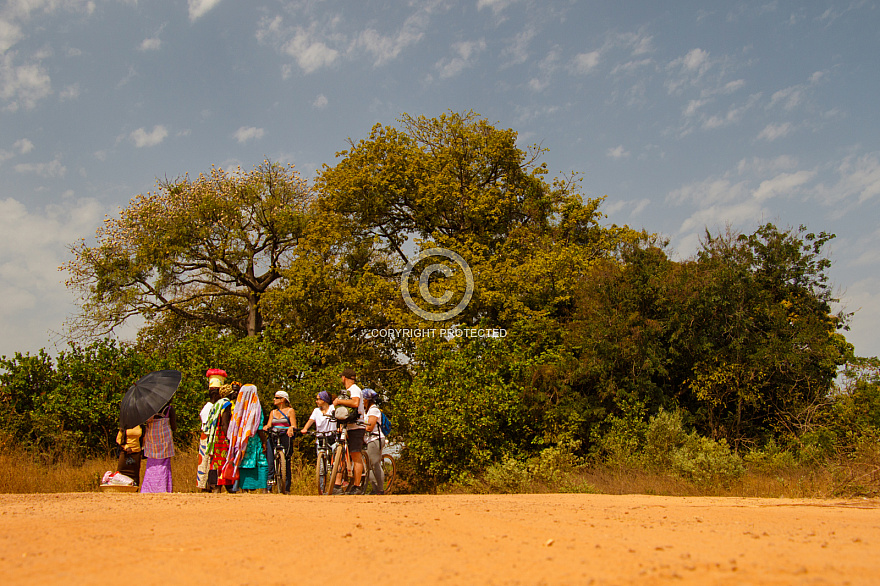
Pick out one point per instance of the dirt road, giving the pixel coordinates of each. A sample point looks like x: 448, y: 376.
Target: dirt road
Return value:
x: 498, y: 539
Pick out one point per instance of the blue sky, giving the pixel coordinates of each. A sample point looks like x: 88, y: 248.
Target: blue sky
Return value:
x: 687, y: 117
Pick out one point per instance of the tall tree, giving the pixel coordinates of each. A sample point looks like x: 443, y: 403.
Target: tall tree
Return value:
x: 457, y: 182
x: 203, y: 251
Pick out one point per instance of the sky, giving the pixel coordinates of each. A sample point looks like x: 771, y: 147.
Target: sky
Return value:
x: 690, y: 117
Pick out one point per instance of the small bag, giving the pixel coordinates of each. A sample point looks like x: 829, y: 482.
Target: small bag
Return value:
x: 345, y: 414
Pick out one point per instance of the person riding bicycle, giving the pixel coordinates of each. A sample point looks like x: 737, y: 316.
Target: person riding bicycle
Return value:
x: 355, y: 431
x: 282, y: 418
x: 374, y: 440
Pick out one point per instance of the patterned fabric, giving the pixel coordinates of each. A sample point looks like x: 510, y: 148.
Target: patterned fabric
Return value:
x: 212, y: 427
x: 246, y: 419
x: 157, y: 475
x: 204, y: 462
x: 253, y: 469
x: 218, y: 458
x: 158, y: 442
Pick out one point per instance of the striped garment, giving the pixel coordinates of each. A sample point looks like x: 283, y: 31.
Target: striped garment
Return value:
x: 158, y: 442
x: 246, y: 419
x: 212, y: 425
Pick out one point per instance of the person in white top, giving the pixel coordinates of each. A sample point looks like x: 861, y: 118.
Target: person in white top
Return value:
x: 375, y: 441
x: 206, y: 478
x: 355, y: 431
x: 320, y: 415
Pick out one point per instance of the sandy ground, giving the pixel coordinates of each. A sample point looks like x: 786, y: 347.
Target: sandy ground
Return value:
x: 500, y: 539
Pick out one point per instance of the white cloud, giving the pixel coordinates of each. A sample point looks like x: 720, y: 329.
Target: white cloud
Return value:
x: 53, y: 168
x: 859, y: 177
x: 199, y: 8
x: 688, y: 70
x: 718, y: 216
x: 496, y: 5
x: 22, y: 85
x: 385, y: 48
x: 310, y: 54
x: 320, y: 102
x: 10, y: 34
x: 517, y: 51
x: 759, y: 167
x: 141, y: 138
x: 695, y: 60
x: 585, y: 62
x: 789, y: 98
x: 35, y: 300
x: 70, y: 92
x: 773, y: 131
x: 618, y: 152
x: 733, y: 115
x: 246, y: 133
x: 24, y: 146
x: 709, y: 192
x: 783, y: 184
x: 466, y: 53
x: 152, y: 44
x: 863, y: 298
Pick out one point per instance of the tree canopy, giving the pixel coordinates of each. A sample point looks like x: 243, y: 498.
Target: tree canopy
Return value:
x: 204, y: 251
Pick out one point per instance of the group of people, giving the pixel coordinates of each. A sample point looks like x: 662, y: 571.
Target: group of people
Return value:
x: 235, y: 444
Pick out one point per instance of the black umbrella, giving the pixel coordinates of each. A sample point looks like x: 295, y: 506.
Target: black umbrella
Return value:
x: 147, y: 396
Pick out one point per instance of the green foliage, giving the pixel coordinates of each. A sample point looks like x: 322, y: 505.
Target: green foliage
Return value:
x: 73, y: 405
x: 203, y: 251
x: 705, y: 461
x: 459, y: 414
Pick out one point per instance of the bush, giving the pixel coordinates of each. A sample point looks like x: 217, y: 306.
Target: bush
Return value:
x: 706, y: 461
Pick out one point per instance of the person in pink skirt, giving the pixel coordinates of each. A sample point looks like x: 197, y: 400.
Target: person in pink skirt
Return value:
x: 158, y: 450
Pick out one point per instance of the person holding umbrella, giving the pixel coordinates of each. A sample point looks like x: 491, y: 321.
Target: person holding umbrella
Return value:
x: 158, y: 449
x: 149, y: 401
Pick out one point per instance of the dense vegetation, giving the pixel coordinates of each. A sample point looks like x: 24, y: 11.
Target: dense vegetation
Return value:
x: 612, y: 352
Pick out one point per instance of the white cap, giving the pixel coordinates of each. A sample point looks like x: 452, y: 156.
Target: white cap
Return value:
x: 282, y: 395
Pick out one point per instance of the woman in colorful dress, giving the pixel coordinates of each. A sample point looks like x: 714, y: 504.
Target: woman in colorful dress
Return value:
x: 246, y: 420
x: 206, y: 477
x: 217, y: 427
x: 158, y: 449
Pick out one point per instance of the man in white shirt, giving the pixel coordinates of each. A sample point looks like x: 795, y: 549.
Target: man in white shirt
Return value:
x: 354, y: 431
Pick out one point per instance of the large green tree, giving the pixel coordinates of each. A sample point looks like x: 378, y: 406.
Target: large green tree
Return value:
x: 460, y: 183
x: 202, y: 251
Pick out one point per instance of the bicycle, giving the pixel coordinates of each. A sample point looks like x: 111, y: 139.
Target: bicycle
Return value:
x: 323, y: 443
x: 278, y: 483
x: 343, y: 464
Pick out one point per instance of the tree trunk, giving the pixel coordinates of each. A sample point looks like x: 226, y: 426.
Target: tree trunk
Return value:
x: 255, y: 318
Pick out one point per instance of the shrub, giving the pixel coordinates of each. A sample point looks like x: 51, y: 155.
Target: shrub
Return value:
x: 706, y: 461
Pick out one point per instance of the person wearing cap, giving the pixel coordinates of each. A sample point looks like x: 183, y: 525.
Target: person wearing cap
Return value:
x: 206, y: 477
x: 374, y: 441
x: 282, y: 417
x: 354, y: 431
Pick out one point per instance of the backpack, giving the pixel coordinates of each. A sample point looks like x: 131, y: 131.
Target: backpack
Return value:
x: 385, y: 425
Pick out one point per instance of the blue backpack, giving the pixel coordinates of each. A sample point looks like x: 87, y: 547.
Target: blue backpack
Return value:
x: 385, y: 425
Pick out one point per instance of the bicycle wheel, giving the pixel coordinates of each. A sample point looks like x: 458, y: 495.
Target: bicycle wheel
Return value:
x: 365, y: 475
x: 388, y: 472
x: 337, y: 464
x: 280, y: 472
x: 322, y: 471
